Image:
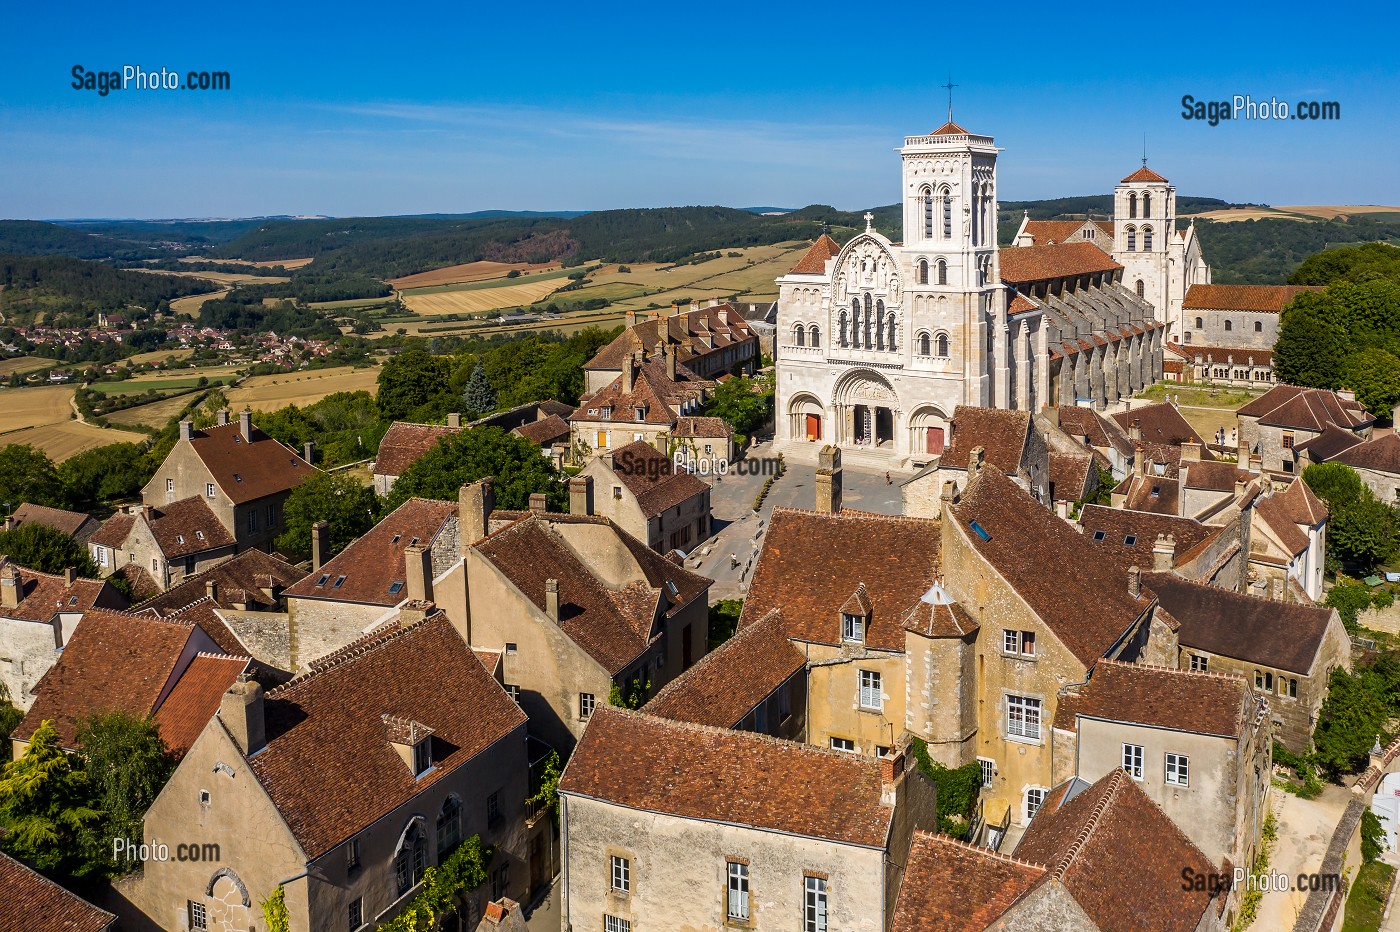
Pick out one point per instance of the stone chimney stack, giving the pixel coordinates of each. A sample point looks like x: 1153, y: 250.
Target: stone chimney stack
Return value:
x: 418, y: 573
x: 1134, y: 581
x: 631, y: 318
x: 454, y: 419
x: 306, y: 451
x: 241, y: 711
x: 1280, y: 590
x: 70, y: 575
x: 629, y: 373
x: 1162, y: 553
x: 1190, y: 452
x: 891, y: 772
x: 475, y: 502
x: 975, y: 461
x: 11, y: 589
x: 320, y: 542
x: 1139, y: 461
x: 670, y: 353
x: 581, y: 495
x: 245, y: 425
x: 538, y: 503
x: 1242, y: 453
x: 551, y: 599
x: 223, y: 417
x: 950, y: 494
x: 211, y: 590
x: 186, y: 430
x: 147, y: 514
x: 829, y: 481
x: 1135, y: 430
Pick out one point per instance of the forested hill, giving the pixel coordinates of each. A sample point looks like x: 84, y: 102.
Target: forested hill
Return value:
x: 61, y: 285
x: 126, y: 240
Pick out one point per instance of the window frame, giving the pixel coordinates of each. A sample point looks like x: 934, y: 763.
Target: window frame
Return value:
x: 816, y: 910
x: 1026, y: 705
x: 1132, y: 760
x: 1040, y: 793
x: 616, y: 924
x: 1200, y: 663
x: 870, y: 688
x: 989, y: 771
x: 1176, y: 769
x: 853, y: 628
x: 355, y: 914
x: 737, y: 903
x: 620, y: 875
x: 587, y: 705
x: 198, y: 915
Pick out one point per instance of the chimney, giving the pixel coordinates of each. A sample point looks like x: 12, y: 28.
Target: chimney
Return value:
x: 551, y: 599
x: 537, y: 503
x: 1062, y: 509
x: 631, y: 318
x: 1134, y: 581
x: 418, y: 573
x: 581, y: 495
x: 723, y: 316
x: 11, y: 589
x: 186, y: 430
x: 245, y: 425
x: 670, y: 353
x: 320, y: 540
x: 829, y: 481
x: 454, y: 420
x: 891, y: 772
x: 306, y: 453
x: 241, y: 711
x: 147, y: 514
x: 223, y: 416
x: 211, y: 589
x: 629, y: 372
x: 475, y: 502
x: 695, y: 305
x: 714, y: 302
x: 675, y: 309
x: 1242, y: 453
x: 70, y: 575
x: 1278, y: 590
x: 975, y: 461
x: 1139, y: 461
x: 1162, y: 553
x: 1135, y: 430
x: 1190, y: 452
x: 950, y: 494
x: 415, y: 612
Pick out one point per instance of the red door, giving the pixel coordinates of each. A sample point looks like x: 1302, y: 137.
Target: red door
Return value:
x: 934, y: 440
x: 814, y: 427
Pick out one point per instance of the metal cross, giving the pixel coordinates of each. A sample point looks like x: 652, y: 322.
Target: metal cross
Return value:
x: 950, y: 85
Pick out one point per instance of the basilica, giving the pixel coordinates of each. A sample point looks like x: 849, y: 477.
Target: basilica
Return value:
x: 879, y: 340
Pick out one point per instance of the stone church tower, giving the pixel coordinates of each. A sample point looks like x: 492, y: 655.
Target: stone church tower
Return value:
x: 1159, y: 263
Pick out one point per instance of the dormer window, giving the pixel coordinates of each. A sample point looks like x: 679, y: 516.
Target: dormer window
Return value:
x: 641, y: 413
x: 853, y: 628
x: 422, y: 757
x: 606, y: 413
x: 412, y: 740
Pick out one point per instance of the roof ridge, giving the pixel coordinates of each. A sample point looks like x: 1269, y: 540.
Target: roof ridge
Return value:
x: 986, y: 852
x: 213, y: 656
x: 1162, y: 668
x: 380, y: 636
x: 849, y: 513
x: 1110, y: 792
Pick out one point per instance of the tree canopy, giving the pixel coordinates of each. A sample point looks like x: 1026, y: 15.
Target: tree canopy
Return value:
x: 745, y: 404
x: 46, y: 811
x: 127, y: 766
x: 43, y: 548
x: 479, y: 397
x: 1346, y: 336
x: 1337, y: 484
x: 1364, y: 532
x: 111, y: 473
x: 339, y: 499
x: 515, y: 464
x: 28, y: 475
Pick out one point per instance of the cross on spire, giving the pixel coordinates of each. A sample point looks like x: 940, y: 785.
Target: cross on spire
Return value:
x: 869, y: 220
x: 949, y: 86
x: 1144, y: 150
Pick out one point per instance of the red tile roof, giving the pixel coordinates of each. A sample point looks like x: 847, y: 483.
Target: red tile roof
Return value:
x: 1001, y: 434
x: 1301, y: 505
x: 1081, y: 597
x: 704, y: 427
x: 32, y: 901
x: 545, y: 430
x: 1305, y: 408
x: 650, y: 475
x: 1069, y: 474
x: 950, y: 129
x: 952, y: 886
x: 186, y: 527
x: 1161, y: 423
x: 811, y: 564
x: 195, y: 698
x: 1268, y: 298
x: 938, y: 615
x: 813, y: 261
x: 239, y: 580
x: 1228, y: 355
x: 66, y: 522
x: 47, y: 594
x: 114, y: 531
x: 404, y: 444
x: 365, y: 571
x: 328, y: 767
x: 248, y: 470
x: 1277, y: 515
x: 653, y: 391
x: 1142, y: 174
x: 698, y: 772
x: 1094, y: 427
x: 1021, y: 264
x: 1381, y: 453
x: 730, y: 681
x: 692, y: 334
x: 1119, y: 525
x: 1160, y: 697
x: 1212, y: 475
x: 1327, y: 445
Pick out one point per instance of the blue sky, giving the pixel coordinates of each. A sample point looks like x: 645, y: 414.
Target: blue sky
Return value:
x: 391, y: 109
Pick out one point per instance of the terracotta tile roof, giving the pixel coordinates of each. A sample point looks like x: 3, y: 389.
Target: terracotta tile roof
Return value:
x: 938, y: 615
x: 952, y: 886
x: 1269, y: 298
x: 247, y: 471
x: 365, y: 571
x: 67, y: 522
x: 1020, y: 304
x: 653, y: 391
x: 113, y: 662
x: 1227, y: 355
x: 188, y: 526
x: 1278, y: 516
x: 47, y: 594
x: 1142, y: 174
x: 1212, y: 475
x: 1021, y: 264
x: 143, y: 584
x: 1045, y: 232
x: 950, y: 129
x: 546, y: 430
x: 240, y: 579
x: 327, y: 766
x: 704, y: 427
x: 811, y: 563
x: 1161, y: 423
x: 650, y: 475
x: 1381, y: 454
x: 1327, y: 445
x: 1305, y: 408
x: 1069, y: 474
x: 1119, y: 525
x: 1081, y: 597
x: 686, y: 333
x: 1301, y: 505
x: 1093, y: 426
x: 113, y: 531
x: 813, y: 261
x: 1160, y: 697
x: 1001, y: 433
x: 732, y: 679
x: 195, y: 698
x: 1284, y: 635
x: 32, y: 901
x: 697, y: 772
x: 1119, y: 856
x: 404, y: 444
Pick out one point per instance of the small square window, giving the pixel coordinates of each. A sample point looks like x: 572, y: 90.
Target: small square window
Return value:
x: 395, y: 587
x: 989, y: 769
x: 1200, y: 663
x: 1178, y: 767
x: 510, y: 647
x: 513, y: 692
x: 843, y: 744
x: 1099, y: 535
x: 204, y: 797
x: 199, y: 917
x: 339, y: 581
x: 1132, y: 760
x: 325, y: 578
x: 209, y: 490
x: 1130, y: 540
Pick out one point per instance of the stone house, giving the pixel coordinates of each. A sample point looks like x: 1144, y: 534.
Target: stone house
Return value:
x: 710, y: 341
x: 1287, y: 650
x: 1097, y: 433
x: 1009, y: 441
x: 404, y: 444
x: 1235, y: 317
x: 643, y: 403
x: 32, y: 900
x: 1288, y: 542
x: 39, y: 613
x: 1275, y: 427
x: 710, y: 828
x: 342, y: 786
x: 1161, y: 431
x: 642, y: 491
x: 75, y: 524
x: 1197, y: 743
x: 1217, y: 555
x: 1377, y: 461
x: 242, y: 475
x: 706, y: 444
x: 168, y: 542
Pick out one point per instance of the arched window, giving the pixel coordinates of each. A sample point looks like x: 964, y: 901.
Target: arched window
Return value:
x: 816, y: 336
x: 1146, y: 239
x: 943, y: 344
x: 942, y: 272
x: 926, y: 195
x: 1132, y: 204
x: 1132, y: 239
x: 855, y: 322
x: 890, y: 343
x: 1258, y: 326
x: 411, y: 858
x: 923, y: 344
x: 1200, y: 324
x: 879, y: 324
x: 947, y: 214
x: 1146, y: 204
x: 867, y: 321
x: 843, y: 322
x: 1228, y: 326
x: 1140, y: 288
x: 923, y: 272
x: 449, y: 824
x: 800, y: 334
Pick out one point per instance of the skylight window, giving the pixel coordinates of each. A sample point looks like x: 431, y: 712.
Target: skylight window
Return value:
x: 237, y: 477
x: 1099, y: 535
x: 413, y: 543
x: 1156, y: 490
x: 394, y: 587
x: 339, y: 581
x: 179, y: 538
x: 396, y: 539
x: 1130, y: 540
x: 73, y: 600
x: 324, y: 578
x: 199, y: 534
x: 980, y: 531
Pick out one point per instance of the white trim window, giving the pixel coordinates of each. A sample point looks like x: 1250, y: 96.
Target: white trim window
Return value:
x: 1178, y: 772
x: 737, y: 889
x: 1132, y: 760
x: 814, y: 907
x: 1018, y: 643
x: 853, y: 628
x: 1035, y: 798
x: 1023, y: 717
x: 614, y: 924
x: 843, y: 744
x: 621, y: 875
x: 586, y: 704
x: 870, y: 697
x: 989, y: 769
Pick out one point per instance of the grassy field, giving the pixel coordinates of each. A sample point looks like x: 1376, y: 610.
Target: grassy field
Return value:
x: 270, y: 392
x: 467, y: 272
x: 156, y: 356
x: 1366, y: 901
x: 476, y: 300
x: 225, y: 278
x: 351, y: 303
x: 1328, y: 211
x: 156, y: 414
x: 23, y: 364
x: 68, y: 438
x: 192, y: 303
x: 42, y: 417
x: 137, y: 386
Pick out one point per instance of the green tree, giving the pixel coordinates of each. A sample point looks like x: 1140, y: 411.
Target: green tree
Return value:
x: 46, y: 549
x: 28, y: 475
x: 546, y: 797
x: 1312, y: 345
x: 106, y: 474
x: 1349, y: 598
x: 1337, y: 484
x: 1354, y: 714
x: 1364, y: 532
x: 724, y: 620
x: 479, y: 397
x: 461, y: 872
x: 1374, y: 374
x: 45, y: 812
x: 1372, y: 836
x: 411, y: 381
x: 514, y: 463
x: 745, y: 404
x: 339, y: 499
x: 127, y: 765
x: 10, y: 717
x: 629, y: 695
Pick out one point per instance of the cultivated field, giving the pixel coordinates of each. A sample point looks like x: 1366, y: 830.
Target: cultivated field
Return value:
x: 191, y: 304
x: 224, y: 278
x: 41, y: 417
x: 288, y: 264
x: 1328, y: 211
x: 468, y: 272
x: 270, y: 392
x: 156, y: 414
x: 23, y: 364
x: 68, y: 438
x: 350, y: 303
x: 34, y: 407
x: 160, y: 356
x: 1246, y: 213
x: 475, y: 300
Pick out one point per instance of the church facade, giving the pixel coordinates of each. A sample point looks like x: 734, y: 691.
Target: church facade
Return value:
x: 878, y: 341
